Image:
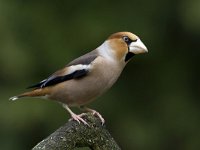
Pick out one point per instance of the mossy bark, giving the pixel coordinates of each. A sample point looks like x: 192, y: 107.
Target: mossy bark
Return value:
x: 74, y: 135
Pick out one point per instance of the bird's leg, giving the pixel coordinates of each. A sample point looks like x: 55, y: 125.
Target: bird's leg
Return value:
x: 94, y: 112
x: 74, y: 116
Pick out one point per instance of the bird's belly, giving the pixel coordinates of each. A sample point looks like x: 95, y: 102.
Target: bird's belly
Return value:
x: 80, y: 91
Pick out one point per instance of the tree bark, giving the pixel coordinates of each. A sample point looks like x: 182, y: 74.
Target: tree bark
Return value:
x: 74, y: 135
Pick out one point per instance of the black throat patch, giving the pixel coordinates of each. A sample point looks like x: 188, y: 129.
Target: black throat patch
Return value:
x: 129, y: 55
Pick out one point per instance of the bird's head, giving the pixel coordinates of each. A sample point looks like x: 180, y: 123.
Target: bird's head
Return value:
x: 123, y: 46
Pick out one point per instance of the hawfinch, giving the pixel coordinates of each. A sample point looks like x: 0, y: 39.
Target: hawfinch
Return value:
x: 90, y: 75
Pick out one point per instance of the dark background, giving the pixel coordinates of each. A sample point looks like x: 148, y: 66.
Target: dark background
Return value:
x: 154, y: 105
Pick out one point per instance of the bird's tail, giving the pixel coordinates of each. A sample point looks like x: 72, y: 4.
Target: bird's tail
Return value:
x: 34, y: 93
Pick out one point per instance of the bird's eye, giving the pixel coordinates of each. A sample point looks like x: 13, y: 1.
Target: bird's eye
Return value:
x: 127, y: 40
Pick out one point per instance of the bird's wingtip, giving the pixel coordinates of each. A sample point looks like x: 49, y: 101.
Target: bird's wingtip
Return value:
x: 13, y: 98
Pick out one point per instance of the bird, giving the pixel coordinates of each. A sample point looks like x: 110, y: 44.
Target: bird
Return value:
x: 89, y: 76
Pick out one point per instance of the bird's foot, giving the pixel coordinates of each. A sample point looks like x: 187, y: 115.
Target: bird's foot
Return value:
x: 74, y: 116
x: 78, y: 118
x: 94, y: 112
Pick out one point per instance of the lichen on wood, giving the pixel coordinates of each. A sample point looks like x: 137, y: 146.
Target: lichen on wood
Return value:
x: 74, y: 135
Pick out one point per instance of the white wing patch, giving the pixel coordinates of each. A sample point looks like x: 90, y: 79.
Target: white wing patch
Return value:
x: 74, y: 68
x: 71, y: 72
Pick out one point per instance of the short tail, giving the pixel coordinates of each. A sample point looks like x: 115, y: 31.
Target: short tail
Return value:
x: 34, y: 93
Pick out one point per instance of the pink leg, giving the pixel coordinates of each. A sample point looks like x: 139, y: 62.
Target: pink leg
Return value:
x: 74, y: 116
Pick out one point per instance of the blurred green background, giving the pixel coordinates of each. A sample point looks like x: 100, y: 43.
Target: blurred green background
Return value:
x: 154, y: 105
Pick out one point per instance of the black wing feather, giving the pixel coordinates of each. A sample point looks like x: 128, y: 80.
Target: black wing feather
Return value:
x: 53, y: 81
x: 83, y: 60
x: 37, y: 84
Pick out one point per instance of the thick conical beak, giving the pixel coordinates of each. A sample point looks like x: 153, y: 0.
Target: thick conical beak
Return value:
x: 137, y: 47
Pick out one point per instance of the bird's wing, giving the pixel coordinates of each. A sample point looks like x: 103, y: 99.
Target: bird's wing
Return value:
x: 76, y: 69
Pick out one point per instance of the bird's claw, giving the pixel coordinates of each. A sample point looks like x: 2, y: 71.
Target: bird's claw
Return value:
x: 78, y: 118
x: 94, y: 112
